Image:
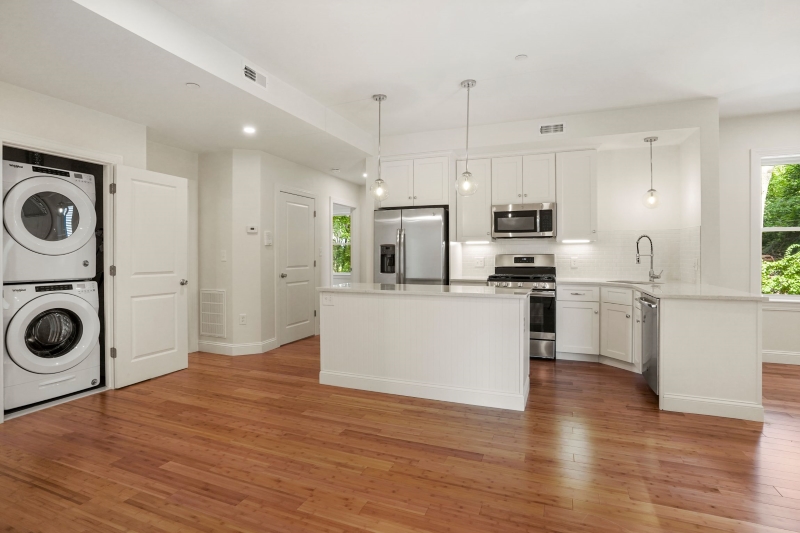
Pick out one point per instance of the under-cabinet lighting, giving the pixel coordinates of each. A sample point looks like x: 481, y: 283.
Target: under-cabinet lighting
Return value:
x: 575, y: 241
x: 476, y: 242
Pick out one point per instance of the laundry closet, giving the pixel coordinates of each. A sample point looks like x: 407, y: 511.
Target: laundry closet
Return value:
x: 94, y: 270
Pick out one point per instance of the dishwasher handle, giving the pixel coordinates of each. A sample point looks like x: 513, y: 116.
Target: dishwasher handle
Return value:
x: 647, y: 303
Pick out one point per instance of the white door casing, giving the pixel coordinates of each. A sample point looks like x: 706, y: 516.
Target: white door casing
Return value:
x: 151, y: 315
x: 296, y: 269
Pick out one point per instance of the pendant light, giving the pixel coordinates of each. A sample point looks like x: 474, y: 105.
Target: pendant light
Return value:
x: 379, y: 190
x: 465, y: 185
x: 650, y: 198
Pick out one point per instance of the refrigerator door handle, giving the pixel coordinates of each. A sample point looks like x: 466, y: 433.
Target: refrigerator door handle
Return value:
x: 401, y: 256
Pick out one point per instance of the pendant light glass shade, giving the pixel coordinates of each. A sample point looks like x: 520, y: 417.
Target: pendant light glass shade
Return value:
x: 465, y: 184
x: 650, y: 198
x: 378, y: 189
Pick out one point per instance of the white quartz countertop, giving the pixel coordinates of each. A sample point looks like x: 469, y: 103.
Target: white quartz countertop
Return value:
x: 673, y: 289
x: 431, y: 290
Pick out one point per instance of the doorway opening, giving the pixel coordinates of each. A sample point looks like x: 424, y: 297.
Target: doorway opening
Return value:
x: 341, y: 244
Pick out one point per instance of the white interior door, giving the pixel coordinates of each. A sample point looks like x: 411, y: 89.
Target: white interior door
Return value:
x: 296, y: 270
x: 151, y: 252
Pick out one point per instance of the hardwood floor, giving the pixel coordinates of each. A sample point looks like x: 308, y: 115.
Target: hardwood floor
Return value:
x: 255, y: 444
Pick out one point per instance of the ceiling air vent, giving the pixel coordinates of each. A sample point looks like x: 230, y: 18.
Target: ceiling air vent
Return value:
x: 549, y: 129
x: 255, y: 76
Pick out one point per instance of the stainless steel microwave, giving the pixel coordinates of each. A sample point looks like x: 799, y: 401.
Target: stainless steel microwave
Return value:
x: 523, y: 221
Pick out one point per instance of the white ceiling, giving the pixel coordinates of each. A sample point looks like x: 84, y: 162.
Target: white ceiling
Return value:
x: 76, y: 55
x: 584, y: 55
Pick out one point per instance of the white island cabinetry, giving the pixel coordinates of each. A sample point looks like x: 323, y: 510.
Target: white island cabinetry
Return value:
x: 463, y: 344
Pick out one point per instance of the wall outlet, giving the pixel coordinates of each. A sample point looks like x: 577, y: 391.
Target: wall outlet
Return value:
x: 479, y: 262
x: 224, y: 255
x: 243, y: 319
x: 573, y: 262
x: 327, y: 298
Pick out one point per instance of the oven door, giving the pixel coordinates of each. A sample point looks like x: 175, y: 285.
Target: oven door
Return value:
x: 523, y: 221
x: 543, y: 324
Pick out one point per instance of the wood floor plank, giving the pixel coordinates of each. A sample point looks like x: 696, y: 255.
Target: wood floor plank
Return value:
x: 255, y: 444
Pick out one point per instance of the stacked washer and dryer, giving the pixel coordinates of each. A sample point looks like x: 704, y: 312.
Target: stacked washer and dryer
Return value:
x: 51, y: 323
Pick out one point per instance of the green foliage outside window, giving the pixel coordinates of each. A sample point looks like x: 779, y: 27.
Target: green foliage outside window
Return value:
x: 780, y: 250
x: 341, y: 243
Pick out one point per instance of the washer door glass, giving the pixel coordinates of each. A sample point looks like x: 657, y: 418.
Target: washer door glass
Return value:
x: 50, y: 216
x: 53, y: 333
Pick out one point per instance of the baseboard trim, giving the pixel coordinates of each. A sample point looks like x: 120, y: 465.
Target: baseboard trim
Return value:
x: 584, y: 357
x: 712, y: 406
x: 782, y: 358
x: 248, y: 348
x: 499, y: 400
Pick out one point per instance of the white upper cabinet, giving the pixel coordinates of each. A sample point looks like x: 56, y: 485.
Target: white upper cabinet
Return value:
x: 507, y: 180
x: 417, y: 182
x: 399, y: 178
x: 576, y: 195
x: 475, y: 212
x: 431, y: 181
x: 539, y: 179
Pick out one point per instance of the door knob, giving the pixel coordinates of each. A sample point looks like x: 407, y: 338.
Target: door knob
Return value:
x: 284, y: 274
x: 184, y: 282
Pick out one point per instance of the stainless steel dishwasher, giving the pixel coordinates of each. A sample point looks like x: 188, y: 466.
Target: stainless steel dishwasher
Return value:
x: 650, y: 327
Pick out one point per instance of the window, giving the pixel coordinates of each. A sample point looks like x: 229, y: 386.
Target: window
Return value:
x: 341, y: 244
x: 780, y: 228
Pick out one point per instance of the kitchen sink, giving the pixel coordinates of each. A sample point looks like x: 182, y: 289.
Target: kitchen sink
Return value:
x: 635, y: 282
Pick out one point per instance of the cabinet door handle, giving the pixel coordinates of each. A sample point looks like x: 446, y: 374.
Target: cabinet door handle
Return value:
x: 525, y: 195
x: 637, y: 320
x: 409, y: 198
x: 519, y: 195
x: 577, y: 293
x: 415, y: 198
x: 627, y: 316
x: 596, y: 312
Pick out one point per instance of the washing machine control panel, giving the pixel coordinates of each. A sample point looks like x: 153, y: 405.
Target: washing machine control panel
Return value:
x: 50, y: 288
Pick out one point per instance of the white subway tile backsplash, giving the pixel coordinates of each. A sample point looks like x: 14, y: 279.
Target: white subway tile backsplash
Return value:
x: 612, y: 256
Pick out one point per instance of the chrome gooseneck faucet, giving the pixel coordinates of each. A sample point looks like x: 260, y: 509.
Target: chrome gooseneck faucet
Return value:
x: 652, y: 273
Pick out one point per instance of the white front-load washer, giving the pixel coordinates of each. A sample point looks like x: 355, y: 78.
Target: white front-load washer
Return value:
x: 49, y: 224
x: 52, y: 336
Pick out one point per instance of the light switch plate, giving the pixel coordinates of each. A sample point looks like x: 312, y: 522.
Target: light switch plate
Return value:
x: 267, y: 238
x: 573, y: 262
x: 479, y: 262
x: 327, y: 298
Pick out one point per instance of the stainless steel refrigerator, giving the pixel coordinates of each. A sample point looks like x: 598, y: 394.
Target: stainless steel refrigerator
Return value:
x: 411, y: 246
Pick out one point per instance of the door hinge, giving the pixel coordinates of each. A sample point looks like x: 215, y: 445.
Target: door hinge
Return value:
x: 113, y: 353
x: 112, y: 270
x: 112, y: 188
x: 315, y: 312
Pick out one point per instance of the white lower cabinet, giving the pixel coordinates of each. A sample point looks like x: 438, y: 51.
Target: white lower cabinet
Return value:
x: 578, y: 327
x: 616, y: 337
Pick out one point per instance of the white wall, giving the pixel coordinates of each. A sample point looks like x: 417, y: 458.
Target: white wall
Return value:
x: 182, y: 163
x: 702, y: 114
x: 738, y: 137
x: 37, y: 115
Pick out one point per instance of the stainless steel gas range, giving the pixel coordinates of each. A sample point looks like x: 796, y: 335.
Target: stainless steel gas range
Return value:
x: 535, y: 274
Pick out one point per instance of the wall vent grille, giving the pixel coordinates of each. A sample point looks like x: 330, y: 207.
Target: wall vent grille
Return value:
x: 549, y: 129
x: 255, y: 76
x: 212, y: 313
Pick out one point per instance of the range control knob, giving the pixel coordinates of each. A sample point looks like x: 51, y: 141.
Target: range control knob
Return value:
x: 519, y: 284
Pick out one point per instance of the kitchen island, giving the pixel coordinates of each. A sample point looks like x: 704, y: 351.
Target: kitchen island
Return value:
x: 464, y: 344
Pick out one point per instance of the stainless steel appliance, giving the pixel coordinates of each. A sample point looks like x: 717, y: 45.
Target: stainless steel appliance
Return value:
x: 650, y: 327
x: 523, y: 221
x: 536, y: 276
x: 411, y: 246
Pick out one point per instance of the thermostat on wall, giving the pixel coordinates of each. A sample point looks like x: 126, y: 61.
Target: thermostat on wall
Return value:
x: 252, y: 229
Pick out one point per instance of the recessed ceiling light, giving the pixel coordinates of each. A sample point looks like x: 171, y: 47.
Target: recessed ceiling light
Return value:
x: 249, y: 130
x: 521, y: 57
x: 192, y: 85
x: 365, y: 174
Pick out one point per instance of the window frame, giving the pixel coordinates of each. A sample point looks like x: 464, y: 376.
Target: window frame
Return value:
x: 758, y: 159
